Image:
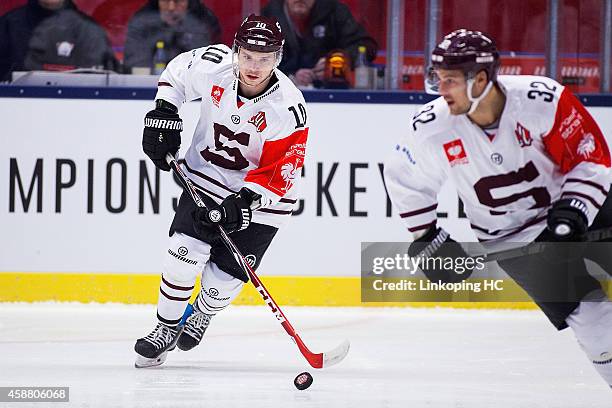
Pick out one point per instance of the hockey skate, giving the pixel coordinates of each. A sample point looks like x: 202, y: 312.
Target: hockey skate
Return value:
x: 194, y: 328
x: 153, y: 349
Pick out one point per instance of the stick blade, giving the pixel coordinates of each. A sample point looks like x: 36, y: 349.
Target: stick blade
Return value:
x: 336, y: 355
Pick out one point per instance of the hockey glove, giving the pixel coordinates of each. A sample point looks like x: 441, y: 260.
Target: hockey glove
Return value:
x: 437, y: 243
x: 567, y: 220
x: 233, y: 214
x: 162, y: 133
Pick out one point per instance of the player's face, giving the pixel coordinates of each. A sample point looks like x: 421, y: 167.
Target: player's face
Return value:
x: 453, y: 87
x: 255, y: 67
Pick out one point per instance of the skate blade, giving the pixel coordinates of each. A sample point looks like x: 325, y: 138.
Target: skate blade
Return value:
x: 144, y: 362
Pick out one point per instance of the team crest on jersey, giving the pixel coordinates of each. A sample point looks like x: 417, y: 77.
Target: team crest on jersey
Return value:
x: 455, y: 152
x: 586, y: 145
x: 216, y: 94
x: 523, y: 136
x: 286, y: 172
x: 289, y: 172
x: 259, y: 121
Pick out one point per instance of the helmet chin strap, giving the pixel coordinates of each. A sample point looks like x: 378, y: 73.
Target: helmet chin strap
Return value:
x: 476, y: 101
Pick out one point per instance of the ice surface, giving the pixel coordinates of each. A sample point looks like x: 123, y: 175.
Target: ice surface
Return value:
x: 410, y: 358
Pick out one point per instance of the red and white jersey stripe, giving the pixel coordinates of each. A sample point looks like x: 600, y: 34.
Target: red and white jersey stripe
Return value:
x: 258, y: 143
x: 547, y: 147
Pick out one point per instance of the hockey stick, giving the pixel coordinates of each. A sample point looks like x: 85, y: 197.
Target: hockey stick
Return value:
x: 538, y: 247
x: 316, y: 360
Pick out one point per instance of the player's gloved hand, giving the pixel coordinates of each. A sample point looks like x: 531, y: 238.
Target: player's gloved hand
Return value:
x: 567, y: 220
x: 437, y: 243
x: 162, y: 133
x: 233, y: 214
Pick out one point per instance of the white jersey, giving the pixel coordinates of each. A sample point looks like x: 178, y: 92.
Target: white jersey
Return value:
x: 547, y: 147
x: 258, y: 143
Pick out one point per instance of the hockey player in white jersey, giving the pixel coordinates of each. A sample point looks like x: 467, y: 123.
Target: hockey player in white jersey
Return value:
x: 246, y: 157
x: 529, y: 163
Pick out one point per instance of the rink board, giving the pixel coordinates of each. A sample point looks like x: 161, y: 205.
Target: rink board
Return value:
x: 286, y: 290
x: 86, y: 222
x: 144, y: 289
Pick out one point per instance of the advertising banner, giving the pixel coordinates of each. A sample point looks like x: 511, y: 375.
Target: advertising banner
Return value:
x: 77, y: 194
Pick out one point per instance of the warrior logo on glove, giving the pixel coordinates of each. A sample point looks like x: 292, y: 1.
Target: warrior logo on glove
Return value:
x: 214, y: 215
x: 162, y: 133
x: 233, y: 214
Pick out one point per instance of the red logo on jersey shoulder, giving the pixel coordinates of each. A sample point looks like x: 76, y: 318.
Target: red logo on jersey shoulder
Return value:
x: 571, y: 125
x: 259, y: 121
x: 216, y: 94
x: 287, y: 170
x: 455, y: 152
x: 587, y: 146
x: 280, y: 163
x: 522, y: 135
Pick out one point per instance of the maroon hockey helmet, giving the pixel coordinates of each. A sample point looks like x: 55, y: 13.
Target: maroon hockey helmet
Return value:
x: 465, y: 50
x: 259, y: 33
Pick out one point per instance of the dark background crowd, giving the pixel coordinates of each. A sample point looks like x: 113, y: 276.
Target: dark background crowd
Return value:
x: 125, y: 35
x: 59, y: 35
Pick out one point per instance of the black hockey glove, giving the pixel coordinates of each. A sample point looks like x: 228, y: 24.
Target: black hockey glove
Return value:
x: 162, y: 133
x: 567, y: 220
x: 233, y: 214
x: 437, y: 243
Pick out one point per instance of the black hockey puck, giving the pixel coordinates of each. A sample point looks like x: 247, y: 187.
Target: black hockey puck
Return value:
x: 303, y: 380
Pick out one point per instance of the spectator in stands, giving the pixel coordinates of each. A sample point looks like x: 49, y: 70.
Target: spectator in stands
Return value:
x: 182, y: 25
x: 50, y: 34
x: 69, y: 39
x: 312, y: 28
